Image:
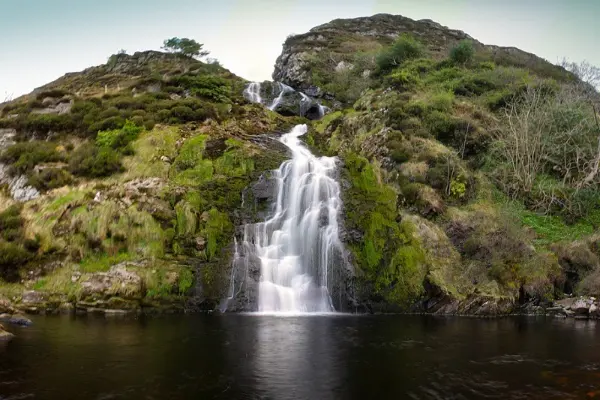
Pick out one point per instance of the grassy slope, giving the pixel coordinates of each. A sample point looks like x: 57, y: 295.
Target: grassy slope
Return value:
x: 170, y: 199
x: 423, y: 205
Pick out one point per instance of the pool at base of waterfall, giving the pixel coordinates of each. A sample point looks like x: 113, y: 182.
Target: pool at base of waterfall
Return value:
x: 322, y: 356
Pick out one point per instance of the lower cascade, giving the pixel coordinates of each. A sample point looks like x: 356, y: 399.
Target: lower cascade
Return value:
x: 298, y: 244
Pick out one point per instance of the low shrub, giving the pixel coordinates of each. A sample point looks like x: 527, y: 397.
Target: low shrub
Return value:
x: 45, y: 123
x: 50, y: 178
x: 463, y: 52
x: 404, y: 48
x: 24, y: 156
x: 107, y: 124
x: 93, y: 161
x: 119, y: 138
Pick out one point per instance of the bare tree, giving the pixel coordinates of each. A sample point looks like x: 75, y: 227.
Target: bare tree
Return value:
x: 585, y: 71
x: 589, y: 74
x: 549, y: 134
x: 520, y: 139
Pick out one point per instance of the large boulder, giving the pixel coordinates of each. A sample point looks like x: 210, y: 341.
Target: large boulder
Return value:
x: 119, y: 288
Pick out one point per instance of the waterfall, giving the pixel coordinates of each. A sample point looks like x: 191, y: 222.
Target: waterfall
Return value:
x: 308, y: 106
x: 298, y: 242
x: 283, y: 89
x: 252, y: 92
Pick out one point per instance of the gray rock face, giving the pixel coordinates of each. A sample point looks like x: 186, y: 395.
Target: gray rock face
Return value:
x: 17, y: 185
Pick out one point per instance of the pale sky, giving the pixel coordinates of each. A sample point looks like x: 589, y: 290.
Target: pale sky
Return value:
x: 40, y: 40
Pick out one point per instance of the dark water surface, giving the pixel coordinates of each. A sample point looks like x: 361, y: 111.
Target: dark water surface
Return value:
x: 325, y: 357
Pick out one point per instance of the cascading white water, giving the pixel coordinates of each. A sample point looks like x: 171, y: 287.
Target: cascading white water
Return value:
x: 283, y: 89
x: 297, y: 244
x: 252, y: 92
x: 279, y: 90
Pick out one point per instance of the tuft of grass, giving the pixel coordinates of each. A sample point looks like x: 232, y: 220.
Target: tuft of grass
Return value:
x: 103, y: 262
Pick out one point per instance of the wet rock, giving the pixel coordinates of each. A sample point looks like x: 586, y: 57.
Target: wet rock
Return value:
x: 19, y: 319
x: 594, y: 311
x: 265, y: 189
x: 5, y: 335
x: 581, y: 307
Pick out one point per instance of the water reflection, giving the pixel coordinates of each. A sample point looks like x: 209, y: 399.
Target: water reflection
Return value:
x: 325, y: 357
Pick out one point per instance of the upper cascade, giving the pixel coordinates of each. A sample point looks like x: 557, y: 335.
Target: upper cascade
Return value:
x: 279, y: 97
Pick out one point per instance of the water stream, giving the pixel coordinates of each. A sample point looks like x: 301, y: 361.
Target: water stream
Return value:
x: 297, y: 243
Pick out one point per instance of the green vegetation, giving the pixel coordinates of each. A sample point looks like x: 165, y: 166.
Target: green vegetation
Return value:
x: 15, y: 248
x: 184, y: 46
x: 404, y: 48
x: 463, y: 52
x: 431, y: 137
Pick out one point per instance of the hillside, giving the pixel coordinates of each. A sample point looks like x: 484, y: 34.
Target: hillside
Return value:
x: 122, y: 184
x: 468, y: 172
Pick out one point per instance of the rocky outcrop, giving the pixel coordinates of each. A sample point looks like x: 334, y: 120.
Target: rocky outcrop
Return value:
x: 293, y: 66
x: 18, y: 186
x: 577, y: 307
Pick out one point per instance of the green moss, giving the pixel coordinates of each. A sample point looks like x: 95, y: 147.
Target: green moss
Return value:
x: 103, y: 262
x: 187, y: 221
x: 186, y: 281
x: 218, y: 231
x: 391, y: 259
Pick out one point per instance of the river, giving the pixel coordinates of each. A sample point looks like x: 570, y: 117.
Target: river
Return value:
x: 235, y: 356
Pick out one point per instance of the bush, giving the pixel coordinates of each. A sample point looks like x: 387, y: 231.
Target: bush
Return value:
x: 404, y: 48
x: 403, y: 79
x: 107, y: 124
x: 23, y: 157
x: 11, y: 223
x: 118, y: 138
x: 51, y: 93
x: 50, y: 178
x: 92, y: 161
x: 12, y: 256
x: 183, y: 113
x: 206, y: 86
x: 45, y: 123
x: 109, y: 112
x: 463, y: 52
x: 149, y: 124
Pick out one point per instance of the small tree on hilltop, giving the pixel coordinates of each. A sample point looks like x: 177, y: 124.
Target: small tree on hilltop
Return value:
x: 463, y: 52
x: 184, y: 46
